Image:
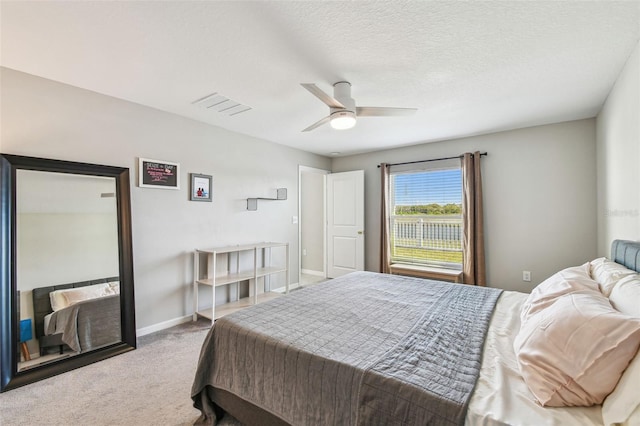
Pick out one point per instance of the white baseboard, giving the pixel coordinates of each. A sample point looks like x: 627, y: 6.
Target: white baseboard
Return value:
x: 312, y: 272
x: 283, y: 288
x: 163, y: 325
x: 181, y: 320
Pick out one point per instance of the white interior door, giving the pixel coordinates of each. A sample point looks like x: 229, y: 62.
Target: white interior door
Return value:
x: 345, y: 220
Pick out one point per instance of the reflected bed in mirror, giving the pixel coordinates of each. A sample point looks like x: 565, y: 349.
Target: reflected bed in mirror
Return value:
x: 67, y: 270
x: 73, y: 318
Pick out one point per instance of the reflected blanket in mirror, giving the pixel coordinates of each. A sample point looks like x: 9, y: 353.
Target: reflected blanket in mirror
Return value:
x: 89, y: 324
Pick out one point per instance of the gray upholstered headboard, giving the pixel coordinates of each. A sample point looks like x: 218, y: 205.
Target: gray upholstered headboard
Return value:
x: 626, y: 253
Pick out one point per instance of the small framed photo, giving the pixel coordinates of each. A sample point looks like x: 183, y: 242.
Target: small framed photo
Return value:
x: 158, y: 174
x: 201, y: 187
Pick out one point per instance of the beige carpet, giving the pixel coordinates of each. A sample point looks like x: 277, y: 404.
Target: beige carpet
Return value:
x: 148, y: 386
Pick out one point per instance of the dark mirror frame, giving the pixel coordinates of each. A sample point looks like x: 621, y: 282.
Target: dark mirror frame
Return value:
x: 10, y: 378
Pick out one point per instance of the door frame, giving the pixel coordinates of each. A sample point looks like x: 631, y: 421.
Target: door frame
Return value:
x: 307, y: 169
x: 354, y: 231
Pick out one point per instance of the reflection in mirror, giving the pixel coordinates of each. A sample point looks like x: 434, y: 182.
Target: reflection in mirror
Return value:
x: 67, y: 265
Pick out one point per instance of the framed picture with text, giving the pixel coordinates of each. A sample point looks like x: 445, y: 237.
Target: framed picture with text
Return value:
x: 201, y: 187
x: 158, y: 174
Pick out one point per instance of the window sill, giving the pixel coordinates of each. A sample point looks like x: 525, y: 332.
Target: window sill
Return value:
x: 427, y: 272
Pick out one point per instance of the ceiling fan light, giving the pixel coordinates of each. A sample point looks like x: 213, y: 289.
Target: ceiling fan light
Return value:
x: 342, y: 120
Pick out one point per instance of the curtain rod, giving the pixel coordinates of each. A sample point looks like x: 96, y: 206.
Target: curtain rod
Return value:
x: 482, y: 154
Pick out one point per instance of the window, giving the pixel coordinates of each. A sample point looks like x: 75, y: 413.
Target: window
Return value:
x: 426, y: 216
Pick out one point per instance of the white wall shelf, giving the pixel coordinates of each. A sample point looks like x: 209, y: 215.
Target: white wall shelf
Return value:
x: 252, y: 203
x: 222, y: 266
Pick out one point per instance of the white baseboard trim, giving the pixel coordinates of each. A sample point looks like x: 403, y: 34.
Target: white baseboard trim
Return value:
x: 312, y: 272
x: 181, y: 320
x: 283, y: 288
x: 163, y: 325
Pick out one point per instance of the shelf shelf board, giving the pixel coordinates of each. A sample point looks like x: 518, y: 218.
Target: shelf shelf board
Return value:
x: 243, y: 247
x: 227, y: 279
x: 242, y: 276
x: 245, y: 302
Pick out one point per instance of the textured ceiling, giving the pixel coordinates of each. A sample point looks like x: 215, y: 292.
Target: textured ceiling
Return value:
x: 469, y: 67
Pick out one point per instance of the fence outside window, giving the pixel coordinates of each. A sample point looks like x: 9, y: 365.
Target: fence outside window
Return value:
x: 430, y: 240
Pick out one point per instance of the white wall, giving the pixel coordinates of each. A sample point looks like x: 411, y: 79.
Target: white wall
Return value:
x: 43, y: 118
x: 539, y: 194
x: 618, y: 148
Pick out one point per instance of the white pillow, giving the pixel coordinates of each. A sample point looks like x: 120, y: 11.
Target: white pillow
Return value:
x: 625, y: 296
x: 57, y: 300
x: 60, y: 299
x: 607, y: 273
x: 623, y: 404
x: 573, y: 352
x: 567, y: 281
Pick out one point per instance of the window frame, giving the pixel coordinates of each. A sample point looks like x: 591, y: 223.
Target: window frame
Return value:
x: 454, y: 226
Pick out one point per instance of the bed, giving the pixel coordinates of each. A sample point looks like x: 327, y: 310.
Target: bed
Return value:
x: 376, y: 349
x: 86, y: 315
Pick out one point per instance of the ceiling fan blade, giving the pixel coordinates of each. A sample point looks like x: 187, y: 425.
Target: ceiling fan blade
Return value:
x: 317, y: 124
x: 384, y: 112
x: 330, y: 101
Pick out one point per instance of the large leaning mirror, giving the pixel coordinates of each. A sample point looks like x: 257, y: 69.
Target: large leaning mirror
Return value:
x: 66, y: 283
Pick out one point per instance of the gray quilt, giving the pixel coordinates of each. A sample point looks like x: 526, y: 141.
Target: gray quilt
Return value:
x: 88, y: 325
x: 363, y: 349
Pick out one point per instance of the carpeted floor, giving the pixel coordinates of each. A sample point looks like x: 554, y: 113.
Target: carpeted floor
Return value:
x: 148, y: 386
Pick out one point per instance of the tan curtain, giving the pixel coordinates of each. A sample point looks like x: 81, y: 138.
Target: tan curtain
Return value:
x: 473, y: 223
x: 385, y: 256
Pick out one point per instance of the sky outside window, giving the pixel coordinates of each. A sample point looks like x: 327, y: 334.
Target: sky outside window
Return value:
x: 439, y: 187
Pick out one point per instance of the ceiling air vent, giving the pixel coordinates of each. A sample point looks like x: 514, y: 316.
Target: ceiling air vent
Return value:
x: 221, y: 104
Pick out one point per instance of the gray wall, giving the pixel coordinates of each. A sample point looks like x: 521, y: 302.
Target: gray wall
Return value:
x: 540, y: 182
x: 539, y: 194
x: 312, y: 218
x: 618, y: 136
x: 43, y: 118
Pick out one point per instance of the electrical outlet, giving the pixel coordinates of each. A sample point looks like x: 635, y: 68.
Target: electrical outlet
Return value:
x: 526, y: 276
x: 304, y: 252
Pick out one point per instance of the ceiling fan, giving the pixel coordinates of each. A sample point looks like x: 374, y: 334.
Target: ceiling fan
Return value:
x: 343, y: 110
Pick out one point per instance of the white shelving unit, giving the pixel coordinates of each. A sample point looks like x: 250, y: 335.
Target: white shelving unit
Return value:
x: 228, y: 266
